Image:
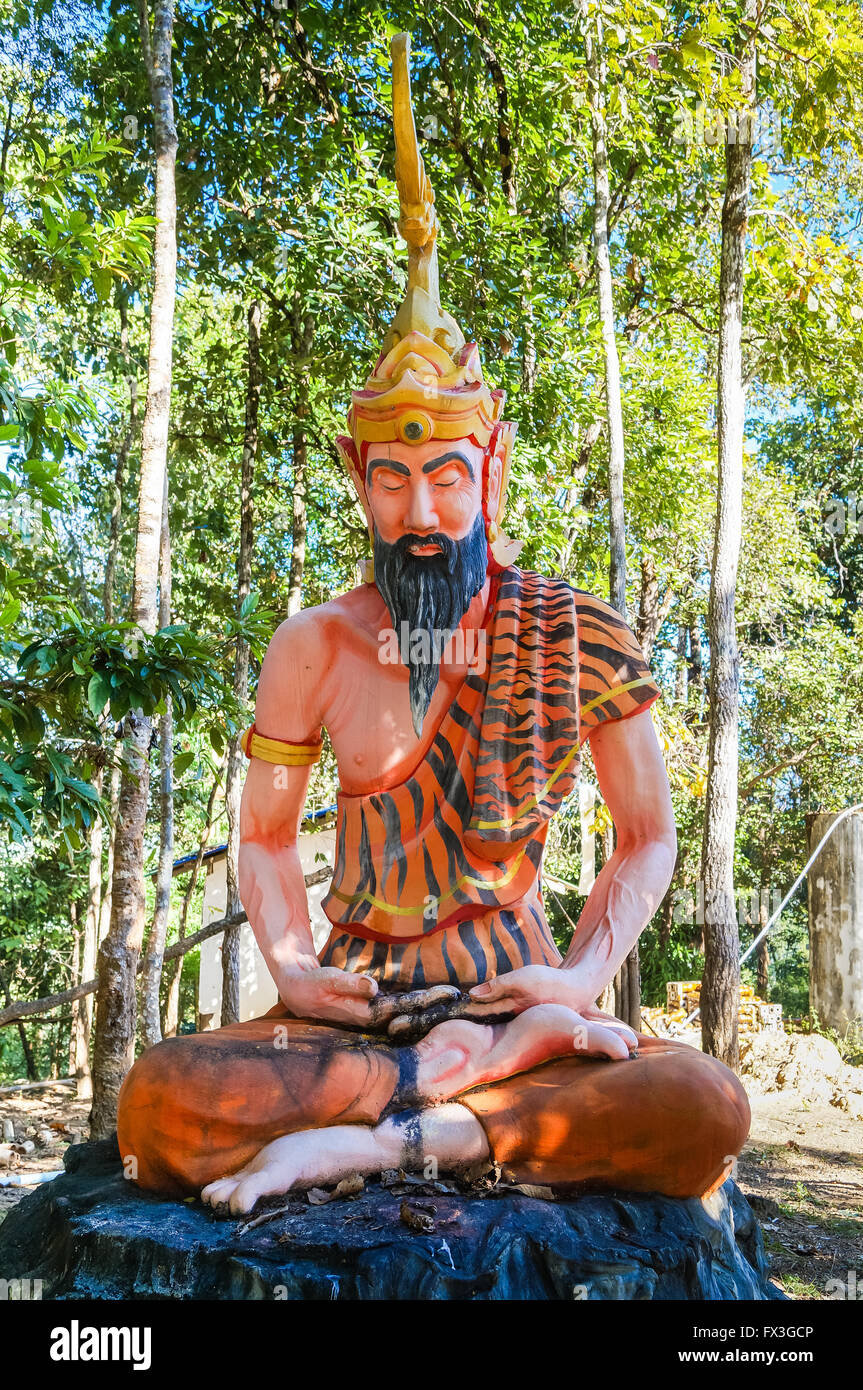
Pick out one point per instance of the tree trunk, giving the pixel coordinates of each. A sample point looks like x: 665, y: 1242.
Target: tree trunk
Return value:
x: 627, y: 981
x: 298, y: 522
x: 151, y: 1026
x: 762, y: 956
x: 108, y: 880
x: 592, y: 32
x: 120, y: 468
x: 578, y: 469
x: 506, y: 154
x: 76, y: 980
x: 99, y: 898
x: 721, y: 983
x: 608, y: 999
x: 172, y: 994
x: 652, y: 611
x: 302, y: 336
x: 666, y: 921
x: 680, y: 690
x: 762, y: 982
x: 118, y: 959
x: 82, y: 1019
x: 696, y: 658
x: 234, y: 777
x: 29, y: 1059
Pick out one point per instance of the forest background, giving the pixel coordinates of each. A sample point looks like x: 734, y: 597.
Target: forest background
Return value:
x: 289, y: 271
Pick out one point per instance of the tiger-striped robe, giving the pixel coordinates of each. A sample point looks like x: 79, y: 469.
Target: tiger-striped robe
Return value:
x: 439, y: 880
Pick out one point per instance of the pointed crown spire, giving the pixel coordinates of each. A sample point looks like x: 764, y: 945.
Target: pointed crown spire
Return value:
x: 427, y: 382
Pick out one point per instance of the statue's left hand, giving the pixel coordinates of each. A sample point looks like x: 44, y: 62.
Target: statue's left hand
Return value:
x: 531, y: 984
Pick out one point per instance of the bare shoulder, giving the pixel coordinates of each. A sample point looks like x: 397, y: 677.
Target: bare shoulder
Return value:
x: 363, y: 606
x: 301, y: 654
x: 309, y: 635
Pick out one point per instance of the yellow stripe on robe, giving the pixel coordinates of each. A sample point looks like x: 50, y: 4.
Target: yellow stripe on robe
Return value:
x: 274, y: 750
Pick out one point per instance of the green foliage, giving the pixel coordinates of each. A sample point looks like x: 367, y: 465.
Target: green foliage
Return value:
x: 287, y: 196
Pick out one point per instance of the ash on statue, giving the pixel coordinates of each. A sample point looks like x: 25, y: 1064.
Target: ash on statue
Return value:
x: 439, y: 1020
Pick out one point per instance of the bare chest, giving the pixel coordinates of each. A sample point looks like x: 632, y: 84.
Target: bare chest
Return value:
x: 366, y: 710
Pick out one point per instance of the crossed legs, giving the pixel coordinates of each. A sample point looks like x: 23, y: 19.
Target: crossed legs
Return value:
x: 452, y: 1058
x: 280, y: 1103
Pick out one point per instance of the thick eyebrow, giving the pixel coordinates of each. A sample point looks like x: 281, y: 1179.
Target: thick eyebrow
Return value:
x: 448, y: 458
x: 433, y: 464
x: 392, y: 464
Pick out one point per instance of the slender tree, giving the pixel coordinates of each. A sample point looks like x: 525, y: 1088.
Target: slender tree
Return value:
x: 108, y: 586
x: 98, y: 911
x: 628, y: 980
x: 151, y: 1024
x: 120, y: 952
x: 29, y: 1059
x: 170, y: 1019
x: 721, y: 980
x: 234, y: 775
x: 302, y: 337
x: 593, y: 49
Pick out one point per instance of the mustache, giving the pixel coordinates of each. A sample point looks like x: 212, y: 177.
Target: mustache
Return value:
x: 400, y: 550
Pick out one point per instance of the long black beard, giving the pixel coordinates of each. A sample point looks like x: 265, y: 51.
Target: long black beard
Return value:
x: 429, y: 594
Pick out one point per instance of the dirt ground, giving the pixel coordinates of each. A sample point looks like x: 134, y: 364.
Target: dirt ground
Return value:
x: 54, y: 1109
x: 802, y: 1170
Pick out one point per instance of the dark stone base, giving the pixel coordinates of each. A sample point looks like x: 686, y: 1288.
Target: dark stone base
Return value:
x: 90, y: 1234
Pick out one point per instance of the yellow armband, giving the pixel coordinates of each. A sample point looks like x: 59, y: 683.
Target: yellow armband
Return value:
x: 273, y: 750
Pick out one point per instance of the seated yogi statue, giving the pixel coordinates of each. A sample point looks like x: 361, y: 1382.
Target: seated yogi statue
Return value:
x: 439, y: 1020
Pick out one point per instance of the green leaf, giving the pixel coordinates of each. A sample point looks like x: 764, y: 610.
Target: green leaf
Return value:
x: 182, y: 763
x: 84, y: 790
x: 10, y: 612
x: 98, y: 693
x: 102, y: 282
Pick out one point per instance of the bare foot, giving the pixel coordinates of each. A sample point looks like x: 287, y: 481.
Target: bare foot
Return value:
x: 458, y: 1055
x: 320, y: 1156
x: 304, y: 1159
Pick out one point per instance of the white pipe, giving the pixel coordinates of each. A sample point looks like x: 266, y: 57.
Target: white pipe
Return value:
x: 30, y: 1179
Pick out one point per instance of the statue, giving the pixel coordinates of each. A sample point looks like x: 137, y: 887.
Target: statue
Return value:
x: 439, y: 1025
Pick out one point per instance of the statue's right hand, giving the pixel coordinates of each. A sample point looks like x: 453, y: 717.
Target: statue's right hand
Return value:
x: 329, y: 994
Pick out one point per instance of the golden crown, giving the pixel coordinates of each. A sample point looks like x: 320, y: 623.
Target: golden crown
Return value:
x: 427, y: 382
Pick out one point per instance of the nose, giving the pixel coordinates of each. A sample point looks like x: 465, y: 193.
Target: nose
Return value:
x: 420, y: 515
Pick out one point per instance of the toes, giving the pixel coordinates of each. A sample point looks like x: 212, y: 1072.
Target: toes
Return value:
x: 616, y: 1025
x: 243, y: 1197
x: 218, y: 1192
x: 604, y: 1042
x: 249, y: 1191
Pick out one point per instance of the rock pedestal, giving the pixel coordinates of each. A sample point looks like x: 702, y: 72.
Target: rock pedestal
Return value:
x: 90, y: 1234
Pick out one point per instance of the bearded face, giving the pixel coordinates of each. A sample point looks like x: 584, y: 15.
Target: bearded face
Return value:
x: 427, y: 583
